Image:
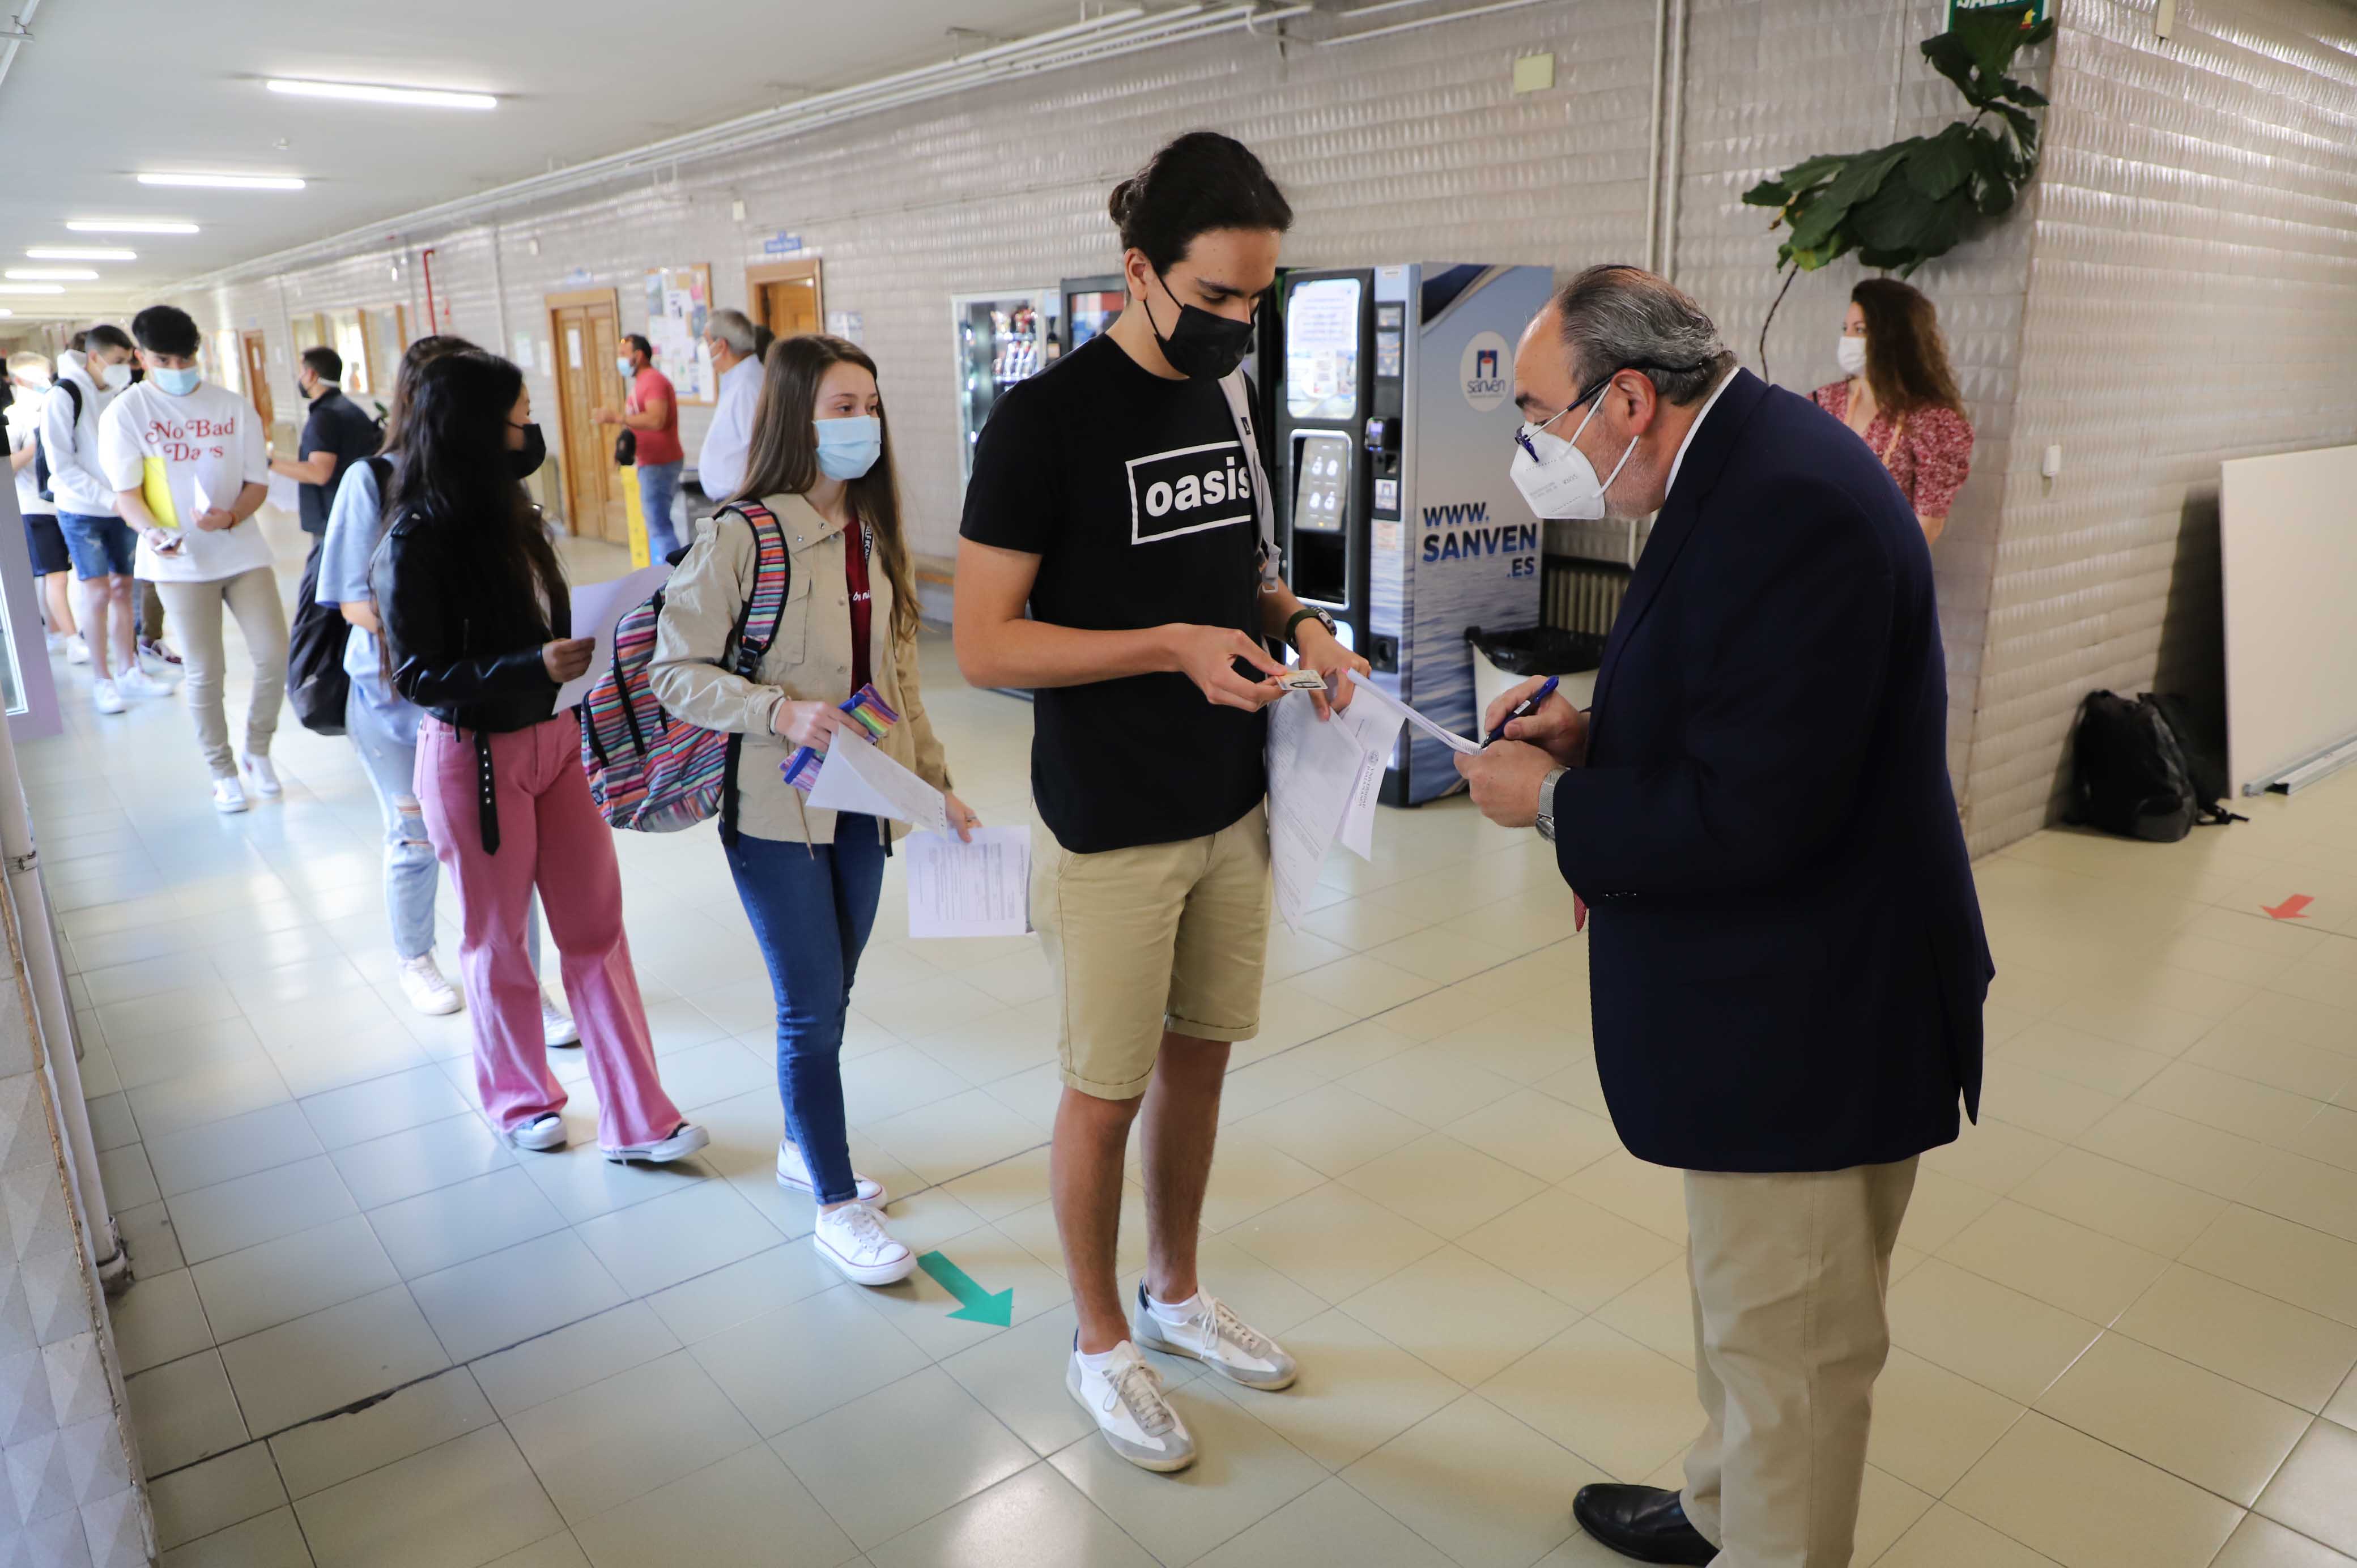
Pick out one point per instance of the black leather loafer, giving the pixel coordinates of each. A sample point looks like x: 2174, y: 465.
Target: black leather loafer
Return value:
x: 1644, y: 1523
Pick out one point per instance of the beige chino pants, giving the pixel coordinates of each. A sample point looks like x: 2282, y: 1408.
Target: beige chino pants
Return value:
x: 196, y: 609
x: 1789, y: 1275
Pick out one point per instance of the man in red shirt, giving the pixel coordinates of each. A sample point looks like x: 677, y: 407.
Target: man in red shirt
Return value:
x: 651, y: 412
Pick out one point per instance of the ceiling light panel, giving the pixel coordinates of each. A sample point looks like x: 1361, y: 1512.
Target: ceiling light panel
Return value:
x: 32, y: 288
x: 53, y: 275
x: 410, y: 97
x: 126, y: 226
x: 80, y: 253
x: 226, y: 181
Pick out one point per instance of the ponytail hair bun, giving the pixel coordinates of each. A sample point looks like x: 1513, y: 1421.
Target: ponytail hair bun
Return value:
x: 1198, y: 183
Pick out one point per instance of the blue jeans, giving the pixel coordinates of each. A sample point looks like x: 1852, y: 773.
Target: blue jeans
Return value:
x: 97, y: 546
x: 658, y: 487
x: 411, y: 871
x: 812, y: 906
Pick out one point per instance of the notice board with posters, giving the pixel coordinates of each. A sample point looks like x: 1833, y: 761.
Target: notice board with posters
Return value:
x: 678, y: 300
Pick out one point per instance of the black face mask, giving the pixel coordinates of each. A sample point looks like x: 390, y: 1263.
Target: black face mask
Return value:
x: 1202, y: 347
x: 526, y: 462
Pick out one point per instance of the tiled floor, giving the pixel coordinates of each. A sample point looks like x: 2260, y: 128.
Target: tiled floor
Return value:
x: 365, y: 1333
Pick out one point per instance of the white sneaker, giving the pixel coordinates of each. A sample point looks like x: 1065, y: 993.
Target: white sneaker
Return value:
x: 106, y: 698
x: 260, y: 774
x: 77, y: 650
x: 422, y: 982
x: 854, y: 1239
x: 794, y: 1176
x: 542, y: 1133
x: 1219, y: 1339
x: 557, y: 1025
x: 136, y: 683
x: 684, y: 1140
x: 1131, y: 1409
x: 227, y: 797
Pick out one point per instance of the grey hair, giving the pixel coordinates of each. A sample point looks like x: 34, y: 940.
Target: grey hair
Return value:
x: 1619, y: 318
x: 733, y: 327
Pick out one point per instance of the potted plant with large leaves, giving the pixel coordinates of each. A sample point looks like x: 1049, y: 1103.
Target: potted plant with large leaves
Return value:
x: 1899, y: 206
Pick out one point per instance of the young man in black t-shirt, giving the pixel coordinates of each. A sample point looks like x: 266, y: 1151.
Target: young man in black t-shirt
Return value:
x: 1114, y: 496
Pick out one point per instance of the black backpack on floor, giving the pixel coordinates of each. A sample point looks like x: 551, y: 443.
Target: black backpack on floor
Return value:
x: 2138, y: 769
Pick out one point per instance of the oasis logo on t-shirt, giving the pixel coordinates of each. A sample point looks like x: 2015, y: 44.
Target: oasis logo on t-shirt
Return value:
x: 1188, y: 491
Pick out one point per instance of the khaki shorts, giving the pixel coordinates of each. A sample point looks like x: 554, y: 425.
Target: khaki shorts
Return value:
x: 1164, y: 936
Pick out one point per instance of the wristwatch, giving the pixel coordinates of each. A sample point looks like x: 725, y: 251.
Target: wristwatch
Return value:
x: 1546, y: 803
x: 1308, y: 612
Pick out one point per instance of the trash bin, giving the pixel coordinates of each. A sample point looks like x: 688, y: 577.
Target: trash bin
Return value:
x: 1503, y: 660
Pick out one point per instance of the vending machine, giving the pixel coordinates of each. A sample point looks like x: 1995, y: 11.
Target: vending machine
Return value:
x: 1001, y: 338
x: 1089, y: 306
x: 1389, y: 407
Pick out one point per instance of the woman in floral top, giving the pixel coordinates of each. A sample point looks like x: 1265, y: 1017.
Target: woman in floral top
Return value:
x: 1899, y: 395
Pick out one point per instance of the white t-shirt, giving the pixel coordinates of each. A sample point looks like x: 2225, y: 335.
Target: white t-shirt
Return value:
x: 199, y: 450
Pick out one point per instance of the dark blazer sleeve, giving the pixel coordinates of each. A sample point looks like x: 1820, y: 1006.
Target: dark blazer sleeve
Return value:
x: 430, y: 667
x: 1780, y: 723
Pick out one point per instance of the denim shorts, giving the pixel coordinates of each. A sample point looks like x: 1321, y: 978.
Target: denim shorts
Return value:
x: 47, y: 543
x: 100, y: 546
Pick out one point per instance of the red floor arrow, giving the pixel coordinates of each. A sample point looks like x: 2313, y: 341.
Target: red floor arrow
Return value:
x: 2292, y: 909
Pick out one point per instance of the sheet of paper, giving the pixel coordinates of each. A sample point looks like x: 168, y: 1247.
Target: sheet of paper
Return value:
x: 1447, y: 737
x: 595, y: 607
x: 1317, y: 774
x: 978, y: 889
x: 282, y: 493
x: 860, y: 778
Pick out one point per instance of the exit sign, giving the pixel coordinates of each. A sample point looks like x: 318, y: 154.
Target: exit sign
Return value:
x: 2032, y: 11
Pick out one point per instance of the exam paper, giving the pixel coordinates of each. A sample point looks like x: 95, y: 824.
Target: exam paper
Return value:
x: 859, y: 778
x: 1447, y: 737
x: 597, y: 606
x: 1323, y: 781
x: 978, y: 889
x: 283, y: 494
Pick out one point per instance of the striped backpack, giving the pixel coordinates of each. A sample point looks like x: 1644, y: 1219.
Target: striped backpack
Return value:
x: 652, y: 772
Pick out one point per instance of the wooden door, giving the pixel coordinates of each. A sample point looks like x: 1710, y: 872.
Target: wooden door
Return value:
x: 581, y: 331
x: 257, y: 376
x: 786, y: 298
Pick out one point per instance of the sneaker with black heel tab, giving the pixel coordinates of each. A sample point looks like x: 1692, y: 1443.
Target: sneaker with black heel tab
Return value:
x: 540, y: 1134
x: 1213, y: 1335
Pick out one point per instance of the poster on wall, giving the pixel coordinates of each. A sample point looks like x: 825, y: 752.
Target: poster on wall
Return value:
x: 678, y: 299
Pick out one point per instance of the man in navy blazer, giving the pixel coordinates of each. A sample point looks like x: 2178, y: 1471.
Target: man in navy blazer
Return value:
x: 1788, y: 963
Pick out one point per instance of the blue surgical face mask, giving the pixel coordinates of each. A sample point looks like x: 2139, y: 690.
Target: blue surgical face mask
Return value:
x: 848, y: 447
x: 179, y: 383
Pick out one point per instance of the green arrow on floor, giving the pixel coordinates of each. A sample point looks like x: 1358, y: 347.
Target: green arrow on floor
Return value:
x: 976, y: 1305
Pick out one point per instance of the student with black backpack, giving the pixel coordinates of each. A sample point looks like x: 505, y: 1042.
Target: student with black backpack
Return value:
x: 103, y: 546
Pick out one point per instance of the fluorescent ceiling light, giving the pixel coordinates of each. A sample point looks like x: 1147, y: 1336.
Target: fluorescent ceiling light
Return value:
x: 80, y: 253
x: 54, y: 274
x: 416, y: 97
x: 7, y: 313
x: 226, y: 181
x: 128, y: 226
x: 32, y: 288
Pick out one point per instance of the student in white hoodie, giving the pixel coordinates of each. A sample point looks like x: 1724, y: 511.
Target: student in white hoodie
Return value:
x: 100, y: 545
x: 190, y: 467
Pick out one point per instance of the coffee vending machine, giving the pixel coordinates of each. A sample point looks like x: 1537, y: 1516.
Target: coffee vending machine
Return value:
x: 1388, y: 394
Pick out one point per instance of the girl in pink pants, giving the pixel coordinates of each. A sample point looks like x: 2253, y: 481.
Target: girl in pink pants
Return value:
x: 476, y: 616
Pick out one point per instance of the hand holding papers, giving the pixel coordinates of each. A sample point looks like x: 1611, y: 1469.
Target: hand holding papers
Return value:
x: 597, y: 606
x: 861, y: 778
x: 977, y: 889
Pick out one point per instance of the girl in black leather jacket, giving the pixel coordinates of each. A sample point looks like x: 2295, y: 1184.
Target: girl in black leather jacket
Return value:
x: 476, y: 620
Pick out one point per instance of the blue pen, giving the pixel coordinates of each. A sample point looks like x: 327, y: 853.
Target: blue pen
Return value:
x: 1523, y: 709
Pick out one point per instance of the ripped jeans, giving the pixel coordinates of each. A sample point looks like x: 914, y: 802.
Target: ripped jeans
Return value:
x: 411, y: 871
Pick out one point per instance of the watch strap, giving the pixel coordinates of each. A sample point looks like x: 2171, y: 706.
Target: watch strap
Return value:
x: 1546, y: 803
x: 1292, y: 622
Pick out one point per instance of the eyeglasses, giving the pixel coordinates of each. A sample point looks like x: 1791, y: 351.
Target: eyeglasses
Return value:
x: 1522, y: 434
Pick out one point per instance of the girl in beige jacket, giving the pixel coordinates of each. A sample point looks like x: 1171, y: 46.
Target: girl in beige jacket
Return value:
x: 822, y: 461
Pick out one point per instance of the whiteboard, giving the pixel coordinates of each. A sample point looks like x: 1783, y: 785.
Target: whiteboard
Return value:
x: 2288, y: 541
